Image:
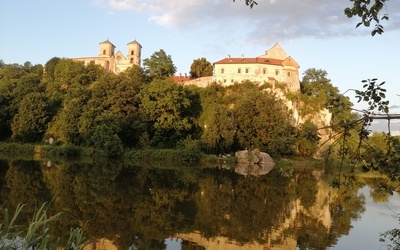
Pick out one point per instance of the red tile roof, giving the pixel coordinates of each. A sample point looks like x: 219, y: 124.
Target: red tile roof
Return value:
x: 181, y: 78
x: 258, y: 60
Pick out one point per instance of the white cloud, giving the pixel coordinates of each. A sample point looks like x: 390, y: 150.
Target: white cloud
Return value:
x: 165, y: 19
x: 266, y: 22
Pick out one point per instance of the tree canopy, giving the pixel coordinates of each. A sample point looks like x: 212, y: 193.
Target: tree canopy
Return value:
x: 159, y: 64
x: 84, y: 105
x: 201, y: 67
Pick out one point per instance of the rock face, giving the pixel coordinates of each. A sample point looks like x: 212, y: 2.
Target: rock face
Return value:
x: 253, y: 162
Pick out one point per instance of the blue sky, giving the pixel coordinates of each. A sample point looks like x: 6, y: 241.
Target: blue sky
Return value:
x: 316, y: 34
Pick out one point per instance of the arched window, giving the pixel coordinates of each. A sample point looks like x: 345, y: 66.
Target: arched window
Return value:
x: 132, y: 52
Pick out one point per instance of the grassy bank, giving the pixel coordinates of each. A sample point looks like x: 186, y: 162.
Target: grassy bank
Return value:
x: 31, y: 151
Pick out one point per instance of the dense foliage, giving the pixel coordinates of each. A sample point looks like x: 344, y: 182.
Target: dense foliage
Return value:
x: 73, y: 104
x: 201, y: 67
x: 159, y: 64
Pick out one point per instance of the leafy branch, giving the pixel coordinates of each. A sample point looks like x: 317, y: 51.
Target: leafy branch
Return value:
x: 249, y: 3
x: 368, y: 12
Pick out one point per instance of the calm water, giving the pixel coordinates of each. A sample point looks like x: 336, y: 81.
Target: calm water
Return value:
x: 160, y: 206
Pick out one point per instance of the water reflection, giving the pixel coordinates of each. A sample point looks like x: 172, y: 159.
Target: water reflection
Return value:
x: 132, y: 207
x: 255, y: 169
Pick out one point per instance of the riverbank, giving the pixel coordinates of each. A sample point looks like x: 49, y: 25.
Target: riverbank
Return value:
x: 34, y: 151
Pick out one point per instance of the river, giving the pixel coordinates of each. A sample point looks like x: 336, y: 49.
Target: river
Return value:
x: 169, y: 206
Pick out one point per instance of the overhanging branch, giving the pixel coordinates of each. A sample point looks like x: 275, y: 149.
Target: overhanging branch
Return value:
x: 365, y: 118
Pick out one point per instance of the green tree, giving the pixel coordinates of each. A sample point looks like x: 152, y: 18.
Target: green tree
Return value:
x: 159, y: 65
x: 30, y: 123
x: 318, y: 93
x: 9, y: 76
x: 317, y: 87
x: 26, y: 84
x: 104, y: 135
x: 67, y: 73
x: 216, y: 120
x: 65, y: 125
x: 245, y: 115
x: 201, y: 67
x: 124, y: 104
x: 165, y: 106
x: 50, y: 67
x: 99, y: 128
x: 74, y: 95
x: 261, y: 119
x: 307, y: 139
x: 218, y: 128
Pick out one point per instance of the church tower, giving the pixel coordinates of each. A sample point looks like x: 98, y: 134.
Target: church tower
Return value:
x: 134, y: 52
x: 106, y: 49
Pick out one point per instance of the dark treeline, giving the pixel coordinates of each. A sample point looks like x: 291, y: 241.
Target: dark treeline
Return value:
x: 67, y: 103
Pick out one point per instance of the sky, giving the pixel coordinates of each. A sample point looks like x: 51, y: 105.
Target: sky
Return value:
x: 317, y: 34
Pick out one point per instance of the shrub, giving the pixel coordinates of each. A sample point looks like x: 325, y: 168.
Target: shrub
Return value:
x: 38, y: 234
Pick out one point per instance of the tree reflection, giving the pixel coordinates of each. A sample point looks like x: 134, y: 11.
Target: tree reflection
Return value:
x: 25, y: 182
x: 346, y: 206
x: 380, y: 189
x: 142, y: 206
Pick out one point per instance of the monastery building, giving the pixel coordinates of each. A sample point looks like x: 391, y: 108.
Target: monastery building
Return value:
x: 273, y: 67
x: 115, y: 62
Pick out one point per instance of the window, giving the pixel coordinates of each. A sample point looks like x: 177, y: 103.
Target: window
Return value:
x: 222, y: 70
x: 224, y: 80
x: 247, y: 70
x: 104, y: 51
x: 276, y: 72
x: 132, y: 52
x: 231, y: 80
x: 239, y: 70
x: 131, y: 60
x: 288, y: 74
x: 264, y: 71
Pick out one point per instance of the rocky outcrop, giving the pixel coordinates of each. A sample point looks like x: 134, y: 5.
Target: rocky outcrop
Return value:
x: 253, y: 162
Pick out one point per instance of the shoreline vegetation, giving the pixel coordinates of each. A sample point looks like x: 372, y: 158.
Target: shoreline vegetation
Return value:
x: 29, y: 151
x: 183, y: 157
